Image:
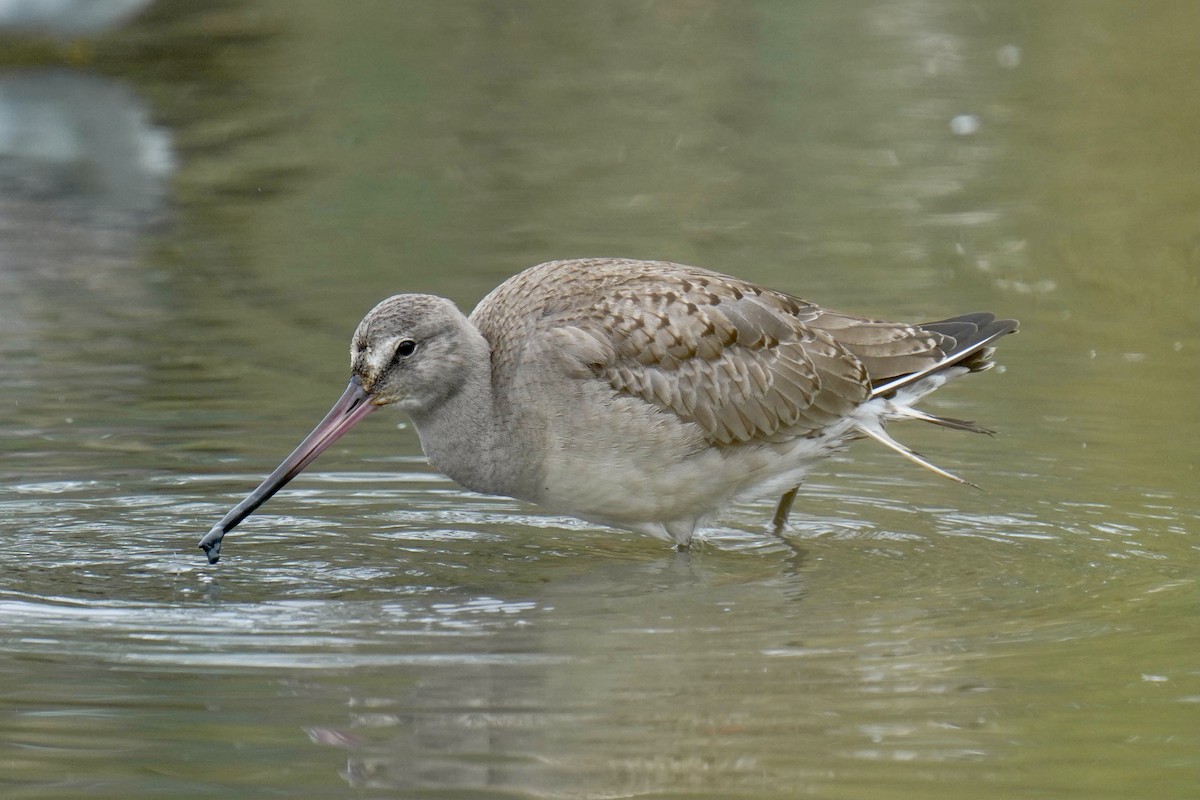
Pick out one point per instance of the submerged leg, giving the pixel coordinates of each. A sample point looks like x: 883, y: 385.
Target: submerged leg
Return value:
x: 783, y: 509
x: 680, y: 531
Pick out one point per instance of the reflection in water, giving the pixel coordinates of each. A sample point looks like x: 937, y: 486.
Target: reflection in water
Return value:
x: 82, y: 146
x: 67, y: 18
x: 84, y: 175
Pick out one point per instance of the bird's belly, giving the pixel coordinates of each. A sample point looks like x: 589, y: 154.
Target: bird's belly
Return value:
x: 616, y: 491
x: 660, y: 469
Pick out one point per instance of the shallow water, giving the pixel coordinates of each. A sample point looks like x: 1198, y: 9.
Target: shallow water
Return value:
x: 195, y: 210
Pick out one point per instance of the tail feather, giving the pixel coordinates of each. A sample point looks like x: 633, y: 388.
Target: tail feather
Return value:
x: 968, y: 344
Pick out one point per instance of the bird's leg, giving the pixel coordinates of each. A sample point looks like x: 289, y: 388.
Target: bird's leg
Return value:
x: 783, y: 508
x: 680, y: 531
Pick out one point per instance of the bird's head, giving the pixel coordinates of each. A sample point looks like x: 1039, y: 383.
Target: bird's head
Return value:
x: 410, y: 351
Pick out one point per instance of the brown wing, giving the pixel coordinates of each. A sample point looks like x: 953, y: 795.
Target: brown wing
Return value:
x: 744, y: 362
x: 886, y: 349
x: 736, y: 359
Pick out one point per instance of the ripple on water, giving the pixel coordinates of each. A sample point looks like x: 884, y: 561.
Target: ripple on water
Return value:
x: 53, y: 487
x: 292, y: 634
x: 118, y: 559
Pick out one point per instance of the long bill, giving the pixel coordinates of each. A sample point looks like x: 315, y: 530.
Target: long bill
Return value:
x: 352, y: 406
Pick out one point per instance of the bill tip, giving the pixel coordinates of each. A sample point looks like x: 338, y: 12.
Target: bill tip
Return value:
x: 212, y: 550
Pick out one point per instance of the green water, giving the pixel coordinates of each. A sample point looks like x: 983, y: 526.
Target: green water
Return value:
x: 176, y: 300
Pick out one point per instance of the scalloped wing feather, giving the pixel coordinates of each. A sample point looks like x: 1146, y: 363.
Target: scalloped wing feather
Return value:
x: 735, y: 359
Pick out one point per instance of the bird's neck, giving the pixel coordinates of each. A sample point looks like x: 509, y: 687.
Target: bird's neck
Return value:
x: 468, y: 437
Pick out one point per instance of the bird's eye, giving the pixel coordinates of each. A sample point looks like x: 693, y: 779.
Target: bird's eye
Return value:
x: 406, y: 348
